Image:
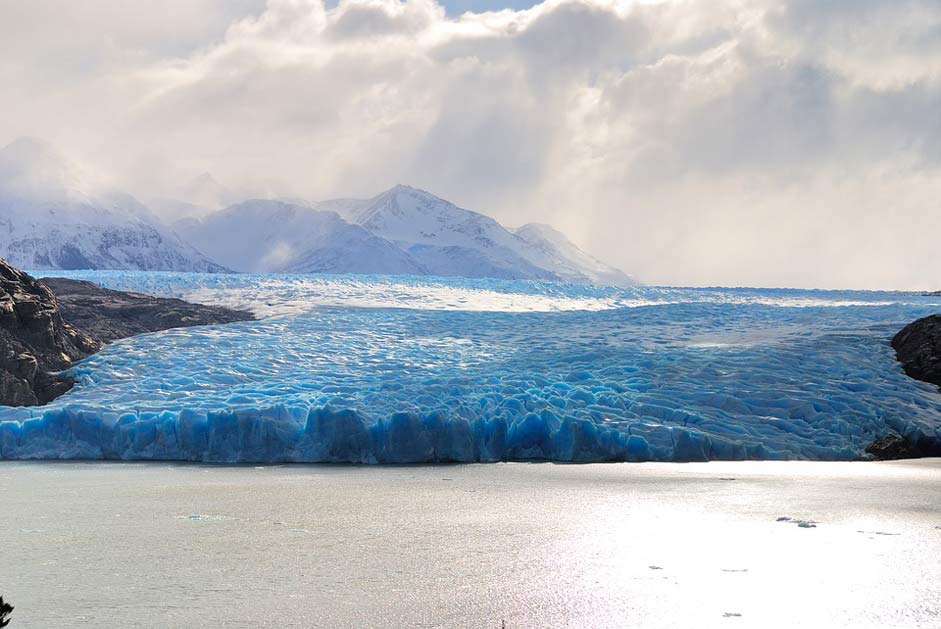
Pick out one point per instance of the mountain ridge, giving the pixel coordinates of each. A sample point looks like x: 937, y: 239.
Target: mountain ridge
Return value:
x: 438, y: 233
x: 274, y: 236
x: 55, y: 216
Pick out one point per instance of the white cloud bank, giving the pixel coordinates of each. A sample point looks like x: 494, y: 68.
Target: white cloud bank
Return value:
x: 764, y: 142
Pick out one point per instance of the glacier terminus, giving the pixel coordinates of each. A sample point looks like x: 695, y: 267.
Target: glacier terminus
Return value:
x: 406, y: 369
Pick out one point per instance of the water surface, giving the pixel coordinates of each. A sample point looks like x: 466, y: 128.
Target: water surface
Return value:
x: 534, y: 545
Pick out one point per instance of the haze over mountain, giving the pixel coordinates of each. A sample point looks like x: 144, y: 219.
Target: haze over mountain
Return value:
x: 55, y: 216
x: 270, y: 236
x: 400, y: 231
x: 199, y: 197
x: 556, y: 251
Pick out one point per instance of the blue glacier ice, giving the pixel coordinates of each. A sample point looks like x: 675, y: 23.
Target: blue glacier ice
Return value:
x: 403, y: 370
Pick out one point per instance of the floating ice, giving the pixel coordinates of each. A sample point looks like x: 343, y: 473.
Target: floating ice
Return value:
x: 201, y: 517
x: 379, y: 369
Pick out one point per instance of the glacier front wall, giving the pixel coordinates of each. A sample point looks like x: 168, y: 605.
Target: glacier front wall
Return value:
x: 459, y: 371
x: 281, y: 434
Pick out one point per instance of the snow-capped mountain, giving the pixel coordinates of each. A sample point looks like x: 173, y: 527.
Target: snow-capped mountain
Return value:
x: 401, y: 231
x: 53, y: 216
x: 204, y: 191
x: 197, y: 198
x: 571, y: 263
x: 443, y: 238
x: 277, y: 236
x: 451, y: 241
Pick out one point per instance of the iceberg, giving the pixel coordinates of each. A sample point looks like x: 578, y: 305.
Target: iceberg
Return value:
x: 378, y: 369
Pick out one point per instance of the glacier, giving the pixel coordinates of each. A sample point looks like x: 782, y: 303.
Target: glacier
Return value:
x: 381, y: 369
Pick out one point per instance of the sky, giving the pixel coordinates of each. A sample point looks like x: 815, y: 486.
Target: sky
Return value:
x: 689, y: 142
x: 457, y: 7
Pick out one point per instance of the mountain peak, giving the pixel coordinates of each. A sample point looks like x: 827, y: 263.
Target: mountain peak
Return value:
x: 205, y: 191
x: 32, y: 148
x: 538, y: 228
x: 412, y: 191
x: 204, y: 177
x: 31, y: 154
x: 401, y: 203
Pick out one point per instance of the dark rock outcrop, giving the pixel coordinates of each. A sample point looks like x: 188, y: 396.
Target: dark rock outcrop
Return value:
x: 109, y: 315
x: 43, y: 333
x: 918, y: 347
x: 894, y: 447
x: 35, y: 342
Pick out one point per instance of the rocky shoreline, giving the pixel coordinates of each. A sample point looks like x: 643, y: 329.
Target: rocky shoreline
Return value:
x: 47, y: 325
x: 918, y: 348
x: 109, y: 315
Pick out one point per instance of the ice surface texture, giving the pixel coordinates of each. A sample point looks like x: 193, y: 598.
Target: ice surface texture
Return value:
x: 396, y: 370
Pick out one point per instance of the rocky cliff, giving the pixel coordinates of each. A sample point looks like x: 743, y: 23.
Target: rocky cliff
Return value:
x: 918, y: 347
x: 35, y: 343
x: 43, y: 333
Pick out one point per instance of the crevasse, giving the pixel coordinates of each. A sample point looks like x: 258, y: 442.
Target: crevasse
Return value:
x: 407, y: 370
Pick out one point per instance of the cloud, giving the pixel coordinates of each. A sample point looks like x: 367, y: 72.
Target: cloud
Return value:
x: 762, y: 142
x: 378, y: 18
x: 280, y: 254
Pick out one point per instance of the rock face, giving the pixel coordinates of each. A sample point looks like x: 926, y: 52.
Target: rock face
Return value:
x: 42, y: 333
x: 893, y: 447
x: 918, y: 347
x: 109, y: 315
x: 34, y: 341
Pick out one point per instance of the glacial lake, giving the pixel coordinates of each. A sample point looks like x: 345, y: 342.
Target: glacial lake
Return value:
x: 529, y: 545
